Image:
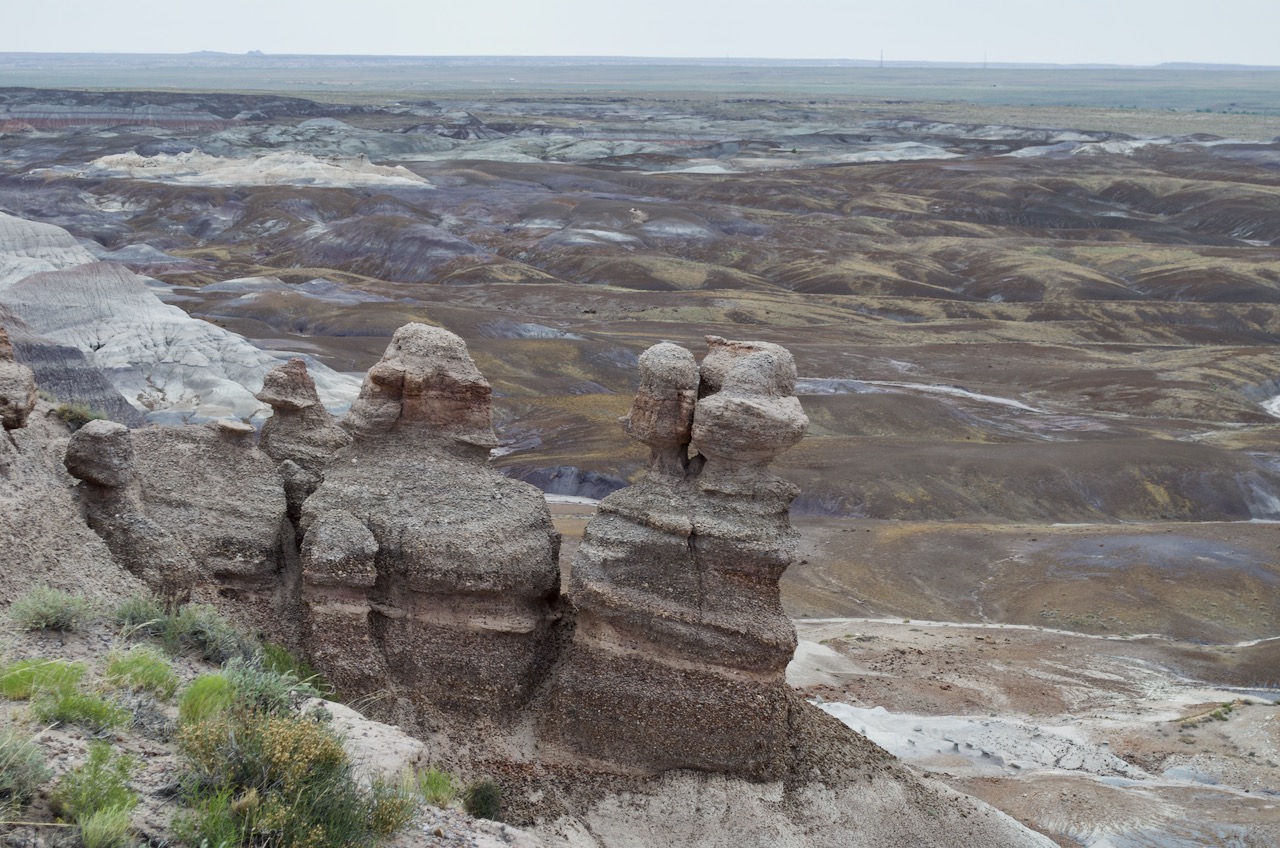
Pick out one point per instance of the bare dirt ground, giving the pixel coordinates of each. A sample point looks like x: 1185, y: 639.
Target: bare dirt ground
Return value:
x: 1091, y: 740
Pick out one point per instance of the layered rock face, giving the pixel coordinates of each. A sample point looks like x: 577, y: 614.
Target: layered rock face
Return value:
x: 420, y: 564
x: 681, y: 644
x: 17, y: 387
x: 43, y: 540
x: 301, y: 435
x: 212, y: 489
x: 100, y: 455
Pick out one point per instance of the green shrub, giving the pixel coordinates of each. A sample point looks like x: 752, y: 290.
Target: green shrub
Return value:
x: 202, y: 627
x: 21, y: 679
x: 101, y: 783
x: 392, y: 804
x: 142, y: 614
x: 280, y: 780
x: 142, y: 669
x: 22, y: 771
x: 90, y: 712
x: 483, y: 800
x: 76, y: 415
x: 260, y: 689
x: 107, y: 828
x: 207, y: 696
x: 279, y: 659
x: 45, y: 608
x: 215, y: 819
x: 438, y: 788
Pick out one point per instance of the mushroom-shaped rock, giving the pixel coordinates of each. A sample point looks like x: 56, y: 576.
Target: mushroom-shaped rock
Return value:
x: 301, y: 435
x: 300, y: 428
x: 675, y: 588
x: 17, y: 387
x: 662, y: 413
x: 426, y: 382
x: 750, y: 419
x: 467, y: 576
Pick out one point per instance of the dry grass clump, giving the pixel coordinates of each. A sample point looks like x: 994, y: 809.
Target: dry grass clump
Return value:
x: 45, y: 608
x: 256, y: 779
x: 22, y: 771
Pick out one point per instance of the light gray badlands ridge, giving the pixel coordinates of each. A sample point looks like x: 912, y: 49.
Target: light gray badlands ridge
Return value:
x: 166, y: 364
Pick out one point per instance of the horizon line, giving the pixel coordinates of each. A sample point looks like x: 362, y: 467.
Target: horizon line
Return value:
x: 637, y: 59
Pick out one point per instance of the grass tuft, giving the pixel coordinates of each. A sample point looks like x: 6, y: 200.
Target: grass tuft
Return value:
x: 261, y: 689
x: 90, y: 712
x: 437, y: 787
x: 76, y: 415
x: 142, y: 669
x: 280, y: 660
x: 483, y: 800
x: 100, y: 783
x: 22, y: 771
x: 23, y: 679
x: 46, y: 608
x: 207, y: 696
x: 202, y: 627
x: 142, y: 614
x: 107, y: 828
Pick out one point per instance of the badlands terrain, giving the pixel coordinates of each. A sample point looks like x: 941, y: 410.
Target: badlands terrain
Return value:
x: 1036, y: 345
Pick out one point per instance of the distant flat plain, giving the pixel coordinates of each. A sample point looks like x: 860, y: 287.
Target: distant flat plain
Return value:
x: 1164, y: 101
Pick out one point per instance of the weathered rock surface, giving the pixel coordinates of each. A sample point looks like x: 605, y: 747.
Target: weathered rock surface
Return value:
x: 467, y: 579
x: 838, y: 791
x: 676, y: 582
x: 222, y: 499
x: 43, y: 538
x: 17, y: 387
x: 101, y: 455
x: 301, y: 435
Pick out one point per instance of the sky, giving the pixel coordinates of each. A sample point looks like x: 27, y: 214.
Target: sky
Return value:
x: 1134, y: 32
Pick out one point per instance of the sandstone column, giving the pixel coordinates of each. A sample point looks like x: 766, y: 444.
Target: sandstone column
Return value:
x: 681, y: 644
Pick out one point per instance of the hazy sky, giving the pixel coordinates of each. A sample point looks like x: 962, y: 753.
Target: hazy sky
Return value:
x: 1070, y: 31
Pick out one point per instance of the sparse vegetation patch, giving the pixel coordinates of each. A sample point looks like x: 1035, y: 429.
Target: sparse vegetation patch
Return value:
x: 46, y: 608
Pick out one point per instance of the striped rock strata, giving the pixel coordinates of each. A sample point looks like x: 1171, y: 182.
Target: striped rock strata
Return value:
x: 420, y: 564
x: 680, y: 646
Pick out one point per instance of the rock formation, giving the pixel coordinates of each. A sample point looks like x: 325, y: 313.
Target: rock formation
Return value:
x: 43, y: 540
x: 100, y: 454
x: 417, y: 554
x: 301, y: 435
x: 222, y: 498
x: 657, y: 705
x: 17, y: 387
x: 675, y: 585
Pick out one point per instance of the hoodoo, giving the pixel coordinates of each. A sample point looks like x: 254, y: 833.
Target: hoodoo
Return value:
x: 417, y: 553
x: 675, y: 586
